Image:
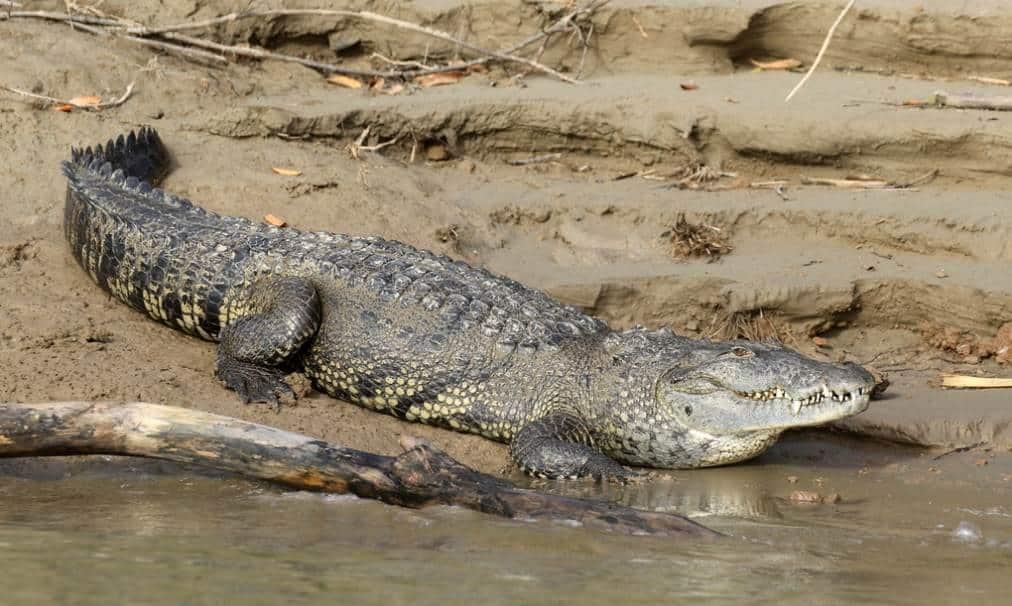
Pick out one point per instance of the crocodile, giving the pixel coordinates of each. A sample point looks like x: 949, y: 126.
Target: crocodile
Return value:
x: 430, y: 339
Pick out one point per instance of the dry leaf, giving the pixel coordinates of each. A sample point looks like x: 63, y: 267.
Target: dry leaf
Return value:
x: 980, y: 462
x: 85, y: 100
x: 377, y: 83
x: 286, y: 172
x: 820, y: 341
x: 274, y: 220
x: 689, y: 85
x: 63, y: 107
x: 440, y: 78
x: 344, y: 81
x: 775, y: 65
x: 915, y: 103
x: 393, y: 90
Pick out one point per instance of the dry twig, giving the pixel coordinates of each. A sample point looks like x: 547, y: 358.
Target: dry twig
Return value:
x: 822, y: 51
x: 990, y: 80
x: 694, y: 176
x: 860, y: 182
x: 926, y: 177
x: 385, y: 59
x: 169, y: 38
x: 358, y: 146
x: 71, y: 102
x: 970, y: 101
x: 535, y: 159
x: 846, y: 183
x: 776, y: 186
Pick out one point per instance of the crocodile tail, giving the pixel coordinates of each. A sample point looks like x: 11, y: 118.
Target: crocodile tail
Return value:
x: 139, y: 154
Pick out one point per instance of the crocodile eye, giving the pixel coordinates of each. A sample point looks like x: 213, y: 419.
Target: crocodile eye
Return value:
x: 741, y: 352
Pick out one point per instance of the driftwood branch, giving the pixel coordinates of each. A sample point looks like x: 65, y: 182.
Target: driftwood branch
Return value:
x: 420, y: 477
x: 170, y: 39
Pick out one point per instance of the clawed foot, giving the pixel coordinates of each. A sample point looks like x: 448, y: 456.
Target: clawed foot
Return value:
x: 255, y: 383
x: 605, y: 469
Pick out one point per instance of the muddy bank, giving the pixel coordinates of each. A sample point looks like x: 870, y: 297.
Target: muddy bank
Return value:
x: 861, y: 270
x: 664, y: 36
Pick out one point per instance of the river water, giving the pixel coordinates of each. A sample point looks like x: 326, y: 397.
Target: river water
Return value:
x: 909, y: 529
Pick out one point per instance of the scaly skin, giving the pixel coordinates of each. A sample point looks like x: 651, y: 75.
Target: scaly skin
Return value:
x: 429, y: 339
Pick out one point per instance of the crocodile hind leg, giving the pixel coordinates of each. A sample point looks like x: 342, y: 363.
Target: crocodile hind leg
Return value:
x: 559, y: 445
x: 283, y: 315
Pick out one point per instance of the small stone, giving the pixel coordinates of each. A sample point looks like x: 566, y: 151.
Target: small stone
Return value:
x: 820, y: 341
x: 941, y: 273
x: 980, y: 462
x: 792, y: 479
x: 967, y: 532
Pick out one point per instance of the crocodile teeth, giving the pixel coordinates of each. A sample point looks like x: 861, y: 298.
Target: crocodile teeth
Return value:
x: 796, y: 407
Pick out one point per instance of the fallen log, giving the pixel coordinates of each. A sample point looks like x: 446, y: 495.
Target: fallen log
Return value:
x: 420, y: 477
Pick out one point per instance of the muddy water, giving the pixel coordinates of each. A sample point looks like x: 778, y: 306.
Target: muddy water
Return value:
x: 909, y: 529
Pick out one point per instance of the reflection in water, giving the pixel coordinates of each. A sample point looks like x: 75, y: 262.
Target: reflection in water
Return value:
x: 695, y: 494
x: 145, y: 533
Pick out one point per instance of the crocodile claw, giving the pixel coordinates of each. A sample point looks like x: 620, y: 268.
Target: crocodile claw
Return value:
x: 255, y: 383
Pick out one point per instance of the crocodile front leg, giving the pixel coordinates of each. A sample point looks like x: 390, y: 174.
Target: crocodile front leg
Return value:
x: 559, y: 445
x: 282, y: 316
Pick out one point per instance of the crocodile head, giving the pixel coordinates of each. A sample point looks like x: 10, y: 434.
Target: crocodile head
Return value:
x: 739, y: 387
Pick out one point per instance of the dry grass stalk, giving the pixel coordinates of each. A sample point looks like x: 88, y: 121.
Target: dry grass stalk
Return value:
x: 696, y: 240
x: 754, y: 325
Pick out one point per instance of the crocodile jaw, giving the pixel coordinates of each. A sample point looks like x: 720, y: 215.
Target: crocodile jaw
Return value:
x: 734, y: 388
